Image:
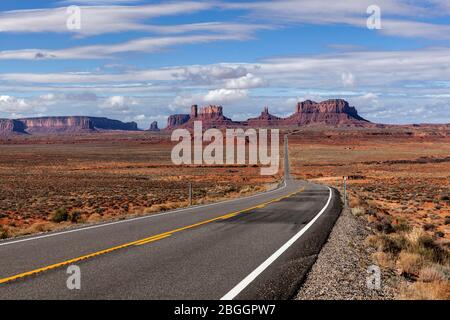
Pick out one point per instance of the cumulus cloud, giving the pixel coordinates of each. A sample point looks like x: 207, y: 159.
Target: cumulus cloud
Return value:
x: 16, y: 105
x: 246, y: 82
x: 220, y: 96
x: 119, y: 103
x: 217, y: 96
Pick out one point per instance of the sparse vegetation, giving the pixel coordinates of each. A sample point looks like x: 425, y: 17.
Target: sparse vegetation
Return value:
x: 60, y: 215
x: 54, y: 182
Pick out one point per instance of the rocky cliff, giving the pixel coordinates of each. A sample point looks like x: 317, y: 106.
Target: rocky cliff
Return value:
x: 71, y: 124
x: 265, y: 120
x: 8, y: 126
x: 211, y: 116
x: 153, y: 126
x: 334, y: 112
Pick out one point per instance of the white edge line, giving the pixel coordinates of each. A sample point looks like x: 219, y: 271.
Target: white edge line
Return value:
x: 137, y: 218
x: 255, y: 273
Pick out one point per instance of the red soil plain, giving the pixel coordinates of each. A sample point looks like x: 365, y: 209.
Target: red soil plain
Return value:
x: 402, y: 172
x: 398, y: 183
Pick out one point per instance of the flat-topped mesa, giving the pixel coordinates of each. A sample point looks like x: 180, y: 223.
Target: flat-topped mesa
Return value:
x: 176, y: 120
x: 333, y: 112
x: 211, y: 111
x: 110, y: 124
x: 57, y: 124
x: 11, y: 126
x: 63, y: 124
x: 336, y: 112
x: 211, y: 116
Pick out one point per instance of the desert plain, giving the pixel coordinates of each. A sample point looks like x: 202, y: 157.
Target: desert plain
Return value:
x: 398, y: 181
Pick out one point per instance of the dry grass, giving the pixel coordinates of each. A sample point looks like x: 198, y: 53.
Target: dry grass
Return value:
x: 400, y: 184
x: 436, y: 290
x: 409, y: 263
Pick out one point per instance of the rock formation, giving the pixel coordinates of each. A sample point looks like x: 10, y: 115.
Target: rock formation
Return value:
x: 153, y: 126
x: 265, y: 120
x: 8, y: 126
x: 211, y: 116
x: 334, y: 112
x: 71, y: 124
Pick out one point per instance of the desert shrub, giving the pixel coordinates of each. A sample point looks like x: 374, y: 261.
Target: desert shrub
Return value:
x: 436, y: 290
x: 384, y: 226
x: 382, y: 259
x: 358, y: 211
x: 444, y: 198
x: 425, y: 246
x: 432, y: 273
x: 409, y: 263
x: 60, y: 215
x: 3, y: 232
x: 75, y: 216
x: 391, y: 244
x: 402, y: 226
x: 428, y: 226
x: 95, y: 217
x: 439, y: 234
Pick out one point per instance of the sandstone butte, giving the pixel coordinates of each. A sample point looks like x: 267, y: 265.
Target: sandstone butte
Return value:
x: 333, y: 113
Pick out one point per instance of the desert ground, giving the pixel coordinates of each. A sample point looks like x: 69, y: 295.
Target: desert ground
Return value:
x: 398, y: 182
x: 61, y: 181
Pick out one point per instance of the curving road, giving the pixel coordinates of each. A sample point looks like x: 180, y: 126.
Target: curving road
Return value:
x: 258, y: 247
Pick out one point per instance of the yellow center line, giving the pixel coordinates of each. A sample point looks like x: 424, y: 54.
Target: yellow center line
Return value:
x: 141, y: 241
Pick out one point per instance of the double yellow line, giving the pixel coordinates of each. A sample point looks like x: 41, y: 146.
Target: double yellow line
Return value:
x: 141, y: 241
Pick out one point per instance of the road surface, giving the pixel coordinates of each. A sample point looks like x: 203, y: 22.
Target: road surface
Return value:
x: 259, y: 247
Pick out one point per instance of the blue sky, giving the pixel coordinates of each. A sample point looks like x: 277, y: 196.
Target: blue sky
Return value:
x: 143, y: 60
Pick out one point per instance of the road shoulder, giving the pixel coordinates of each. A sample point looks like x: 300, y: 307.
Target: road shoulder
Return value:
x: 340, y: 271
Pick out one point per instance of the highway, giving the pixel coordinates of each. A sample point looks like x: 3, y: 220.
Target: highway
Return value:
x: 258, y: 247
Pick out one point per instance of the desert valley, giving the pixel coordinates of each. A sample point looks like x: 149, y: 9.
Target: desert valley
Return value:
x: 60, y: 172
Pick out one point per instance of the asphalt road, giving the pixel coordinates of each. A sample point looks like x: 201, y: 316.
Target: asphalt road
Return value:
x: 259, y: 247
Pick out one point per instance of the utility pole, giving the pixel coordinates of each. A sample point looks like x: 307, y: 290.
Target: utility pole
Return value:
x: 286, y: 158
x: 190, y: 194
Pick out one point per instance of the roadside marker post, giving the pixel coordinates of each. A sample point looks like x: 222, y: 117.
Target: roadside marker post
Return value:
x: 190, y: 194
x: 345, y: 191
x: 286, y: 158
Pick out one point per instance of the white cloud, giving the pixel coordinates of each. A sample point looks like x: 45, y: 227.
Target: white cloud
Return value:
x: 150, y: 44
x: 220, y: 96
x: 119, y: 103
x: 217, y: 96
x: 14, y: 105
x: 246, y: 82
x: 94, y: 19
x: 399, y: 17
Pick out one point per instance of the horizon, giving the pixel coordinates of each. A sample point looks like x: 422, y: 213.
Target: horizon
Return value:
x: 143, y: 60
